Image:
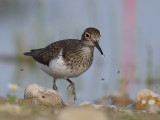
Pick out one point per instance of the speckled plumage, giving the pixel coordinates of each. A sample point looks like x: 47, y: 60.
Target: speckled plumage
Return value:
x: 68, y: 58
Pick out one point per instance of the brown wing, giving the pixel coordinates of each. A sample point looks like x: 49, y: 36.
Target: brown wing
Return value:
x: 51, y: 51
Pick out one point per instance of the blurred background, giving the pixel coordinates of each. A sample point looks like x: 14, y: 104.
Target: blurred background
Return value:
x: 130, y: 31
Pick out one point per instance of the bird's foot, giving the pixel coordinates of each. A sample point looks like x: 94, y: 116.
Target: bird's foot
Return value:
x: 55, y: 87
x: 72, y: 85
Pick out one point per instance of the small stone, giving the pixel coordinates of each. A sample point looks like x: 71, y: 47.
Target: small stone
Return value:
x: 97, y: 106
x: 144, y: 93
x: 112, y: 107
x: 148, y: 100
x: 87, y: 104
x: 42, y: 95
x: 84, y: 103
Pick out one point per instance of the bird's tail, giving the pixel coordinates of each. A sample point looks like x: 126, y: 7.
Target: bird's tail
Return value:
x: 28, y: 53
x: 33, y: 53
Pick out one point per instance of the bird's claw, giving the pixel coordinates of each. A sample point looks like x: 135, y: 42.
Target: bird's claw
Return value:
x: 69, y: 86
x: 55, y: 87
x: 72, y: 85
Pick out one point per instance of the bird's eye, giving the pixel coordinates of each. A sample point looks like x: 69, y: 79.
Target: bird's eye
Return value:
x: 87, y: 35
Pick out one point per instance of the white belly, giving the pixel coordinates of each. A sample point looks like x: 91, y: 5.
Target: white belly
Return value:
x: 58, y: 69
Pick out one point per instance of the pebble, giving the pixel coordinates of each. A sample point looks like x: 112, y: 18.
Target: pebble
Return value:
x: 113, y: 107
x: 42, y: 95
x: 148, y: 100
x: 89, y: 105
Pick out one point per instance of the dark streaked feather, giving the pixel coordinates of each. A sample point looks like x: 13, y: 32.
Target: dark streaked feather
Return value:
x: 50, y: 52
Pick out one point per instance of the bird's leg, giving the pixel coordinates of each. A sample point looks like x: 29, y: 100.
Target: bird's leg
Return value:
x: 72, y: 85
x: 54, y: 85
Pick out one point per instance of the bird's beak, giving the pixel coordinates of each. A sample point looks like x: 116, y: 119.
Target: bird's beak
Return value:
x: 98, y: 47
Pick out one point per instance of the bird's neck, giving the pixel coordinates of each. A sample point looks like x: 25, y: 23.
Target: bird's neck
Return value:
x: 87, y: 43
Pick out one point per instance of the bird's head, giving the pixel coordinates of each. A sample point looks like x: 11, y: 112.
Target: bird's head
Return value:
x: 91, y: 37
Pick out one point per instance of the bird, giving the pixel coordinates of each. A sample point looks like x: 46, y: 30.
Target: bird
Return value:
x: 69, y: 58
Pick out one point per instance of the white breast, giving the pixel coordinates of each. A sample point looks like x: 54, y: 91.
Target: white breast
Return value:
x: 58, y: 69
